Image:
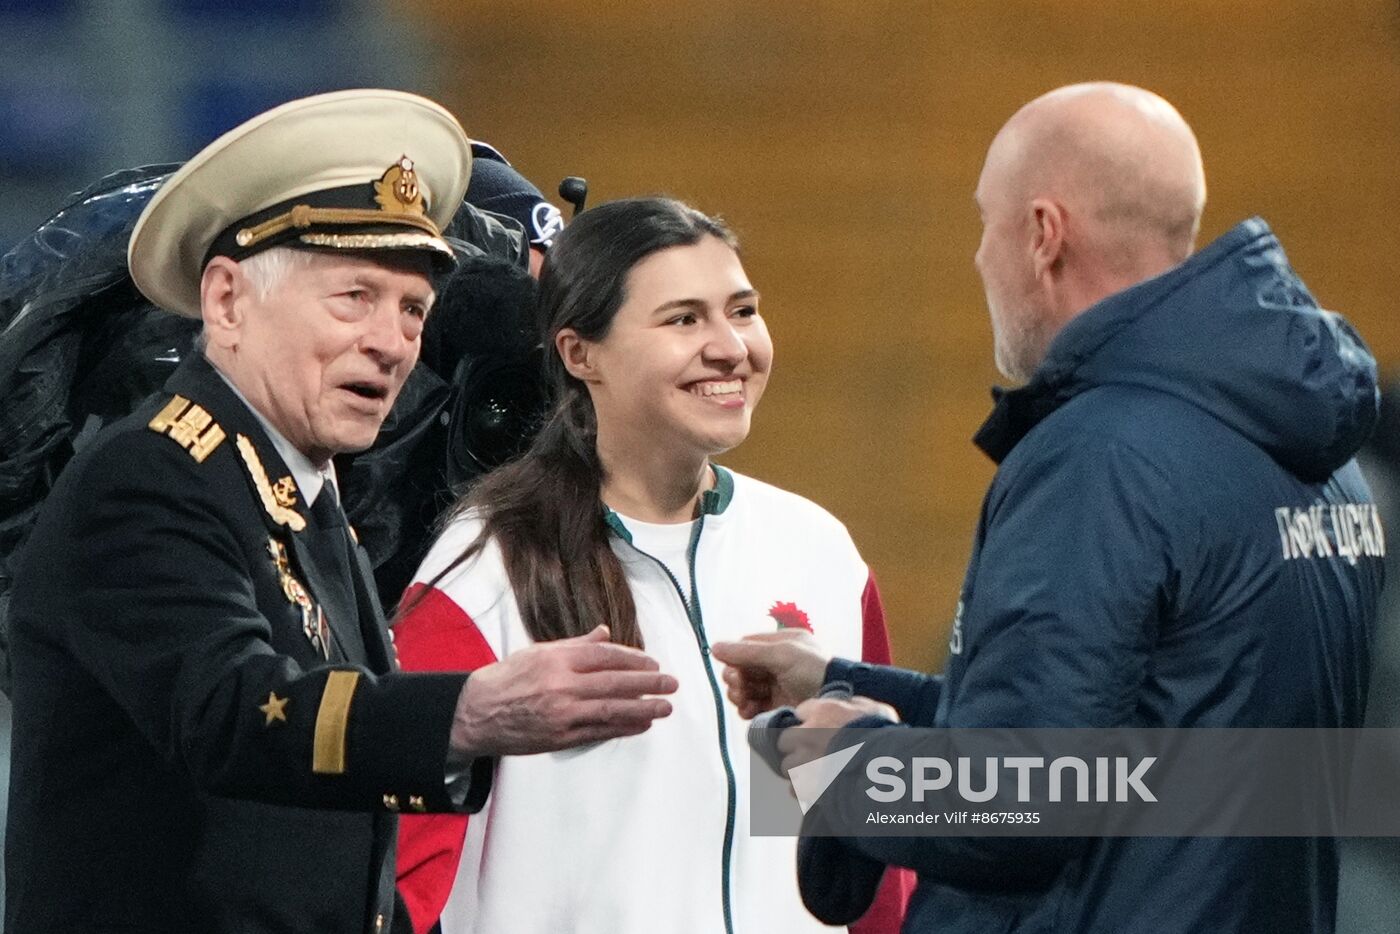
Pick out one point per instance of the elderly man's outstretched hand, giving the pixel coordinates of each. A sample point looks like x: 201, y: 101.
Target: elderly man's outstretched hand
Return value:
x: 772, y: 669
x: 555, y: 695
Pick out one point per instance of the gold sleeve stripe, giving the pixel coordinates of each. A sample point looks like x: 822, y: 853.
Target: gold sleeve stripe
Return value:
x: 332, y: 720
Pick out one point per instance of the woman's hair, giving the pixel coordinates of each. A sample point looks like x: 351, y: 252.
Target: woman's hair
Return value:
x: 544, y: 509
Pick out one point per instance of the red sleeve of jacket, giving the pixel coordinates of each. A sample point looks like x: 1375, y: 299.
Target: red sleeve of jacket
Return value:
x: 436, y: 635
x: 886, y: 914
x: 876, y: 647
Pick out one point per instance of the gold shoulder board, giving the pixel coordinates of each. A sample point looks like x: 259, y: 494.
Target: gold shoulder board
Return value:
x: 189, y: 426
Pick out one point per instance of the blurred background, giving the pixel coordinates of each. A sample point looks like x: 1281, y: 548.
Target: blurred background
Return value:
x: 842, y: 141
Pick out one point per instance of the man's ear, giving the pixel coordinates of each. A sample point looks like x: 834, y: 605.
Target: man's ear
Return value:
x: 218, y: 293
x: 1047, y: 235
x: 577, y: 354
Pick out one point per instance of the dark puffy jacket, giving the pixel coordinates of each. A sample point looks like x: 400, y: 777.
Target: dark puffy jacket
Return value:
x: 1132, y: 568
x: 80, y: 348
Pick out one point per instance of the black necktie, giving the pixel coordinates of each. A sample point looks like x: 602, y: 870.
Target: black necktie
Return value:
x: 331, y: 521
x: 331, y: 540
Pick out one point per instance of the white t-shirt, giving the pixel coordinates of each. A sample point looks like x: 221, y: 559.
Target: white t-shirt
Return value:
x: 668, y: 543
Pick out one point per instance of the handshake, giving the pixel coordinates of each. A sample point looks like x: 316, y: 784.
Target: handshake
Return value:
x: 572, y: 692
x: 787, y: 669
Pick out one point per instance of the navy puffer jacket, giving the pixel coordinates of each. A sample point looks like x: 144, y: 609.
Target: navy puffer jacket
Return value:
x: 1134, y: 566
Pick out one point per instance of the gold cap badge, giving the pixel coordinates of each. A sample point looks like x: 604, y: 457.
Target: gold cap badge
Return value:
x: 397, y: 189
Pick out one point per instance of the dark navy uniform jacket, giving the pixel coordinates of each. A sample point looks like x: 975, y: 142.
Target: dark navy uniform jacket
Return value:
x: 208, y: 732
x: 1139, y: 563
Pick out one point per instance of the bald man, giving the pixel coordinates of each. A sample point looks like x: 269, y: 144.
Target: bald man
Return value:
x: 1154, y: 550
x: 1086, y: 191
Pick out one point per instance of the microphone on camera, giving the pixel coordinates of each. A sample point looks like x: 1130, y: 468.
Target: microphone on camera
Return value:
x: 575, y: 191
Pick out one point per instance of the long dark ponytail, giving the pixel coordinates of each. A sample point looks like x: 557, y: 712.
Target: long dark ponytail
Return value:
x: 544, y: 508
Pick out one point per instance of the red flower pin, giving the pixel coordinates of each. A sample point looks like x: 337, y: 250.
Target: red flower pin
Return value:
x: 790, y: 616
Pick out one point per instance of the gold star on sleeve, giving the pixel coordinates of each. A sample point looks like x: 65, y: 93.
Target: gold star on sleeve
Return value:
x: 275, y: 708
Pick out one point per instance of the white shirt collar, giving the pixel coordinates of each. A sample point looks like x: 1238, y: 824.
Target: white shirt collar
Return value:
x: 309, y: 478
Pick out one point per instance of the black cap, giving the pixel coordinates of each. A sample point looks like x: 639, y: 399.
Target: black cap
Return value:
x: 496, y: 186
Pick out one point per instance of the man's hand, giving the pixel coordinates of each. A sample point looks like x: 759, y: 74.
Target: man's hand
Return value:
x: 772, y: 669
x: 555, y: 695
x: 821, y: 717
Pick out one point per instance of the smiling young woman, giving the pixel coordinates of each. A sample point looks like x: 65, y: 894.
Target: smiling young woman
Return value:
x: 618, y: 516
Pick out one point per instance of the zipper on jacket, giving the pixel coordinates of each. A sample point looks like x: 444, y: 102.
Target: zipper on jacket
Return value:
x: 697, y: 625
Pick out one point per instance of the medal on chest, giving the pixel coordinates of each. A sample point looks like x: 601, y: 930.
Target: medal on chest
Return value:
x: 313, y: 620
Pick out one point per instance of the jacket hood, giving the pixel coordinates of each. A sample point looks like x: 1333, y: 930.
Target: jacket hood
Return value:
x: 1234, y: 332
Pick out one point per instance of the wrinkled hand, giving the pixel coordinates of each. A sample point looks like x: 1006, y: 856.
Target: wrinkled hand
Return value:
x: 555, y: 695
x: 821, y: 718
x: 772, y: 669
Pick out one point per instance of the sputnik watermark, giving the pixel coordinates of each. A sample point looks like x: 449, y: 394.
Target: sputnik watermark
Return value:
x: 1116, y: 778
x: 810, y: 779
x: 1069, y: 782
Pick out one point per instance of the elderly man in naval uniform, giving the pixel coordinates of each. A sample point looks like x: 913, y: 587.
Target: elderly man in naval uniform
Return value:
x: 209, y: 731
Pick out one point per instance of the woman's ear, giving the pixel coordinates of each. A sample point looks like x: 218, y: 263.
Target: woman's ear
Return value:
x: 577, y: 355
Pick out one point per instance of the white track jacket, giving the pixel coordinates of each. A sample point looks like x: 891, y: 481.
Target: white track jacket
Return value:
x: 649, y: 833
